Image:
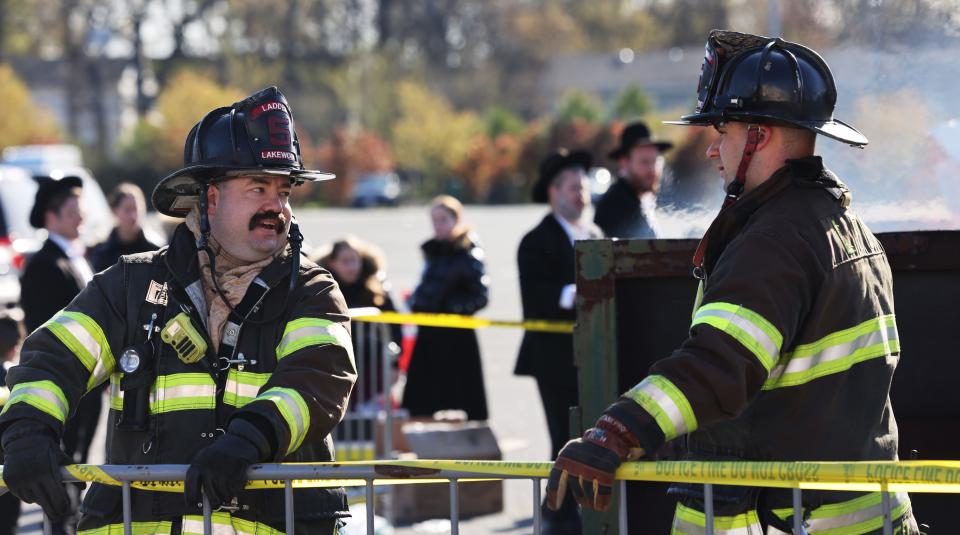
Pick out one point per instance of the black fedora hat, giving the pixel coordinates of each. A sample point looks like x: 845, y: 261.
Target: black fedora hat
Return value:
x: 635, y: 134
x: 553, y: 164
x: 49, y: 188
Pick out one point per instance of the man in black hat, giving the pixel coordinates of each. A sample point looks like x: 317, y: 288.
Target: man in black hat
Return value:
x: 223, y: 350
x: 547, y: 290
x: 626, y: 210
x: 51, y: 279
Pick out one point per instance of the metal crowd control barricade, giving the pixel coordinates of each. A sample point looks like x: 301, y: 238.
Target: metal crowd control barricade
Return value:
x: 884, y: 477
x: 634, y: 304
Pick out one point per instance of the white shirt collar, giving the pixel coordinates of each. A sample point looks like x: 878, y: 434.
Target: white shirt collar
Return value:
x: 72, y: 248
x: 573, y: 232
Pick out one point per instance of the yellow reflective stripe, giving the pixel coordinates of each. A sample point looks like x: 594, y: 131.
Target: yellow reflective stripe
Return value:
x: 304, y: 332
x: 184, y: 391
x: 139, y: 528
x: 836, y: 352
x: 42, y: 395
x: 689, y: 521
x: 746, y: 326
x: 224, y: 524
x: 174, y: 392
x: 242, y: 387
x: 852, y: 517
x: 85, y: 339
x: 294, y: 411
x: 666, y: 403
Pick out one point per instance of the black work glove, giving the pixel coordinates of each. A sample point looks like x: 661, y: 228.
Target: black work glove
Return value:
x: 588, y: 465
x: 220, y: 469
x: 31, y: 469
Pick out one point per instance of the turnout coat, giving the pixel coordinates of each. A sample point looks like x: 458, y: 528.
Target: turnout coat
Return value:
x: 294, y: 382
x: 790, y: 356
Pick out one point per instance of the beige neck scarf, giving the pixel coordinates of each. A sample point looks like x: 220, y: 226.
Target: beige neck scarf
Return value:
x: 233, y: 274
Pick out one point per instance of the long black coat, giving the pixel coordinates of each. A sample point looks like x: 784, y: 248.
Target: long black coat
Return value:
x: 107, y: 253
x: 445, y: 370
x: 49, y: 282
x: 546, y: 262
x: 619, y: 214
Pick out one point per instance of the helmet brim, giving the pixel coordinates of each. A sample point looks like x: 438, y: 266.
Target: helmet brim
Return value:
x: 834, y: 129
x: 177, y: 193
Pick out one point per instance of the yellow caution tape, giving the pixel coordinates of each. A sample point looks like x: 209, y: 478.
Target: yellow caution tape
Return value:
x: 464, y: 322
x: 891, y: 476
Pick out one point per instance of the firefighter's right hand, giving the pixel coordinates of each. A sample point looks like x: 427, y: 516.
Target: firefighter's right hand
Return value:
x: 587, y: 466
x: 220, y: 469
x: 31, y: 467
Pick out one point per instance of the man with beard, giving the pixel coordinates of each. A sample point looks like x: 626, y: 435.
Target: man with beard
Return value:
x: 548, y: 292
x: 223, y: 350
x: 627, y: 209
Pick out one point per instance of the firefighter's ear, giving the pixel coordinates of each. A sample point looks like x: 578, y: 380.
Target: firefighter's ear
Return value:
x: 764, y: 135
x: 213, y: 199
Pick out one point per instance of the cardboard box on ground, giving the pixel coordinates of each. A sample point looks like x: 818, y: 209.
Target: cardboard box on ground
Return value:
x: 446, y: 439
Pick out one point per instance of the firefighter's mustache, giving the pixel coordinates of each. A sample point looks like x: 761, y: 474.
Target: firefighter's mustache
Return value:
x: 272, y: 219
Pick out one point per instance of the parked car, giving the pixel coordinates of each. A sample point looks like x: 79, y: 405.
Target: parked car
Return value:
x: 377, y: 189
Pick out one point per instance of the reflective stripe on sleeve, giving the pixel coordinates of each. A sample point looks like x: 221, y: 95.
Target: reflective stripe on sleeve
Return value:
x: 860, y: 515
x: 41, y: 395
x: 138, y: 528
x: 666, y: 403
x: 752, y: 330
x: 304, y: 332
x: 242, y: 387
x: 836, y: 353
x: 224, y: 524
x: 85, y: 339
x: 689, y: 521
x: 294, y: 411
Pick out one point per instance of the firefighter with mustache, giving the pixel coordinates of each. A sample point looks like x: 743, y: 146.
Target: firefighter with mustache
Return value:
x: 223, y: 350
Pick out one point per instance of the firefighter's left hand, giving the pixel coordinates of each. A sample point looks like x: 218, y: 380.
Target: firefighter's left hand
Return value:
x: 588, y: 465
x: 220, y: 469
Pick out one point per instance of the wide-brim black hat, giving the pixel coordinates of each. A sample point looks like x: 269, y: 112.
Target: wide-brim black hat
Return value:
x: 634, y: 135
x: 255, y: 136
x: 49, y: 188
x: 553, y: 164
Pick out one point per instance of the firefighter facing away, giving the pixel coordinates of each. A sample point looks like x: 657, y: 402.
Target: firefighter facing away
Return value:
x: 793, y: 342
x: 222, y: 350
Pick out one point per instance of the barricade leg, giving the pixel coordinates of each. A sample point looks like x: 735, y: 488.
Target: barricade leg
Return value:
x: 798, y: 528
x: 537, y: 513
x: 127, y: 509
x: 47, y: 525
x: 887, y: 521
x: 360, y: 359
x: 454, y: 508
x: 708, y: 506
x: 207, y: 516
x: 622, y: 511
x: 370, y: 511
x: 387, y: 366
x: 288, y: 505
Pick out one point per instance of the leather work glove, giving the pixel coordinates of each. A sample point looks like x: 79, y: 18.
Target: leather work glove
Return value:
x: 31, y: 467
x: 220, y: 469
x: 587, y: 465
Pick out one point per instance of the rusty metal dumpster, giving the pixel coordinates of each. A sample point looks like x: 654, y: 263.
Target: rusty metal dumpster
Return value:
x: 635, y: 299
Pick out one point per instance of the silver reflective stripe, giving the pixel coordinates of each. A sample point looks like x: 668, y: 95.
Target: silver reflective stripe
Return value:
x: 837, y: 352
x: 85, y: 339
x: 856, y: 517
x: 689, y: 528
x: 241, y: 389
x: 667, y: 404
x: 195, y: 527
x: 294, y: 407
x: 747, y: 326
x: 46, y: 395
x: 186, y: 391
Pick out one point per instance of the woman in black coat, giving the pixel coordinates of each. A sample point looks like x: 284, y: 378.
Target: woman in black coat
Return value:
x: 359, y: 270
x: 445, y: 370
x: 128, y: 206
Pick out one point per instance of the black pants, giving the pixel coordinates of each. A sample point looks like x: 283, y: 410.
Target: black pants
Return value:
x: 9, y: 513
x: 558, y: 394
